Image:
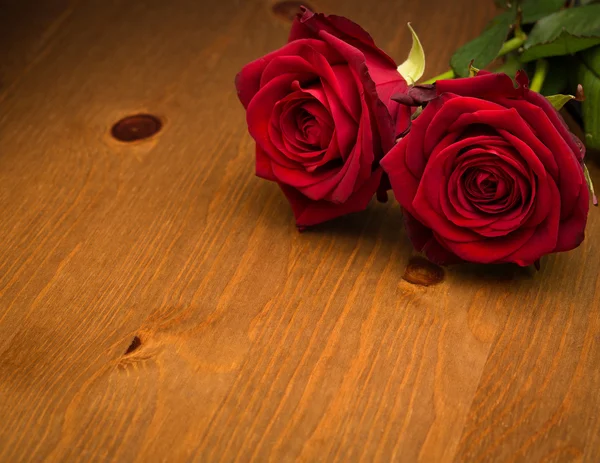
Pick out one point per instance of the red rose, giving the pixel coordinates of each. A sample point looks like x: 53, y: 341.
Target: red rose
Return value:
x: 321, y: 113
x: 489, y: 173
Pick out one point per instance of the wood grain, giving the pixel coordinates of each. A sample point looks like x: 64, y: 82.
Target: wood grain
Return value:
x: 157, y: 303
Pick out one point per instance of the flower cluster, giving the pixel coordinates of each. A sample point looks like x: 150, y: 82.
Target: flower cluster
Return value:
x: 484, y: 169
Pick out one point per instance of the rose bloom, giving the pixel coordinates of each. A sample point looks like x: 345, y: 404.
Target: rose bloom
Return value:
x: 489, y: 173
x: 321, y: 113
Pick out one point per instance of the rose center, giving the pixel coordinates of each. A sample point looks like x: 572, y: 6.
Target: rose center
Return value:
x: 309, y: 128
x: 301, y: 127
x: 305, y: 126
x: 488, y: 185
x: 487, y: 189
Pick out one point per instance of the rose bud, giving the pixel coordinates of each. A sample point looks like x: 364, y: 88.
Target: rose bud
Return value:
x: 490, y: 173
x: 321, y: 113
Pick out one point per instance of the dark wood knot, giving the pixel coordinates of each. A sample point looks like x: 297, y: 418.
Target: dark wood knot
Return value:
x: 420, y: 271
x: 136, y: 127
x: 135, y: 344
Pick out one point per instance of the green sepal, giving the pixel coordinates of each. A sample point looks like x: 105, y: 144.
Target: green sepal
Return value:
x: 590, y: 184
x: 472, y: 70
x: 413, y: 68
x: 558, y: 101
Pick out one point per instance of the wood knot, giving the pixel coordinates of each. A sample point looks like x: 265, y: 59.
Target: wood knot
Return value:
x: 288, y: 9
x: 135, y: 344
x: 420, y: 271
x: 136, y: 127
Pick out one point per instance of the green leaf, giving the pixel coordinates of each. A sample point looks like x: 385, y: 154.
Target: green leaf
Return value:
x: 484, y: 49
x: 589, y: 76
x: 413, y: 68
x: 510, y: 65
x: 537, y: 9
x: 558, y: 101
x: 563, y: 33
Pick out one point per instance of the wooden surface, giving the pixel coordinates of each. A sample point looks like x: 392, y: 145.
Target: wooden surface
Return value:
x: 157, y: 303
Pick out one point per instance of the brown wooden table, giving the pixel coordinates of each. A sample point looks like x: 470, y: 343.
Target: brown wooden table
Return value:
x: 157, y: 303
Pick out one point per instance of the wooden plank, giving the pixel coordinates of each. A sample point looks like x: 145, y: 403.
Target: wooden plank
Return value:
x: 255, y: 342
x: 26, y: 35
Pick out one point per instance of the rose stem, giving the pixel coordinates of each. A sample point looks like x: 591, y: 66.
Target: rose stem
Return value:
x: 541, y: 71
x: 508, y: 46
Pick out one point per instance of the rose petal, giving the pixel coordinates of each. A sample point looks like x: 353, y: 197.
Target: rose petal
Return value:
x: 545, y: 235
x: 258, y: 118
x: 445, y: 120
x: 356, y: 62
x: 295, y: 67
x: 424, y: 240
x: 572, y: 229
x: 247, y: 81
x: 489, y: 250
x: 401, y: 178
x: 481, y: 86
x: 400, y: 113
x: 308, y: 212
x: 563, y: 153
x: 309, y: 25
x: 556, y: 120
x: 263, y: 165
